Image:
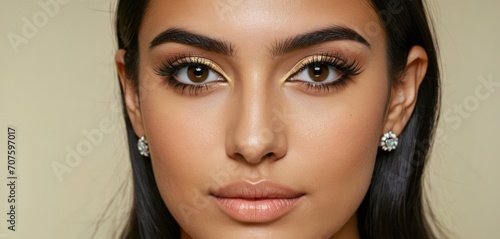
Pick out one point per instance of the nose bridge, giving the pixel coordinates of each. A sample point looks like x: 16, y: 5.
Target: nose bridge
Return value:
x: 253, y: 135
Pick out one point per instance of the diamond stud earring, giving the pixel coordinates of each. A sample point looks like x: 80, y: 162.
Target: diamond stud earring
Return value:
x: 142, y: 145
x: 389, y: 141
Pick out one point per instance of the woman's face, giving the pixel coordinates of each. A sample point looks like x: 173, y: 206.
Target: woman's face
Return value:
x: 263, y: 117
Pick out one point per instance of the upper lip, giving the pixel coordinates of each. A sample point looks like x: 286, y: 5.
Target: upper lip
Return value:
x: 264, y: 189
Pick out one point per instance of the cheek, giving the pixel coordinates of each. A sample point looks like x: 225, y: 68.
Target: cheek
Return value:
x: 185, y: 141
x: 336, y: 140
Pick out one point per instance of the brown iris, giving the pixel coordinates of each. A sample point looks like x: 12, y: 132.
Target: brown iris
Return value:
x: 197, y: 73
x: 318, y: 72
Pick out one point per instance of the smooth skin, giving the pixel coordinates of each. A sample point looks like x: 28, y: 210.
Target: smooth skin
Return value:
x: 256, y: 124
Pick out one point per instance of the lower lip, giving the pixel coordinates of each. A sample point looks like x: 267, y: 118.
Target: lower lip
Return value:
x: 256, y: 211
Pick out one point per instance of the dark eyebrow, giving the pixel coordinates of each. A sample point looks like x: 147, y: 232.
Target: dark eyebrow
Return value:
x: 188, y: 38
x: 334, y: 33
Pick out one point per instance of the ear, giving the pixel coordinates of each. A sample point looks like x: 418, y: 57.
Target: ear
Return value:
x: 404, y: 91
x: 131, y: 96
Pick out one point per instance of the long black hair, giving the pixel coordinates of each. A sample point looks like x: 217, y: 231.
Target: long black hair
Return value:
x: 394, y: 206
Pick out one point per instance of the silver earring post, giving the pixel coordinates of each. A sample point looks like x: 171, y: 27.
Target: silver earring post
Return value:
x: 389, y: 141
x: 142, y: 145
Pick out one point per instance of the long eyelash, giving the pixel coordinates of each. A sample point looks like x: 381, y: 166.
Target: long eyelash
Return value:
x: 169, y: 67
x: 347, y: 67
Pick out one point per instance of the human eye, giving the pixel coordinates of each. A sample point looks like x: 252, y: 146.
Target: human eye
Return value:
x: 190, y: 73
x: 325, y: 72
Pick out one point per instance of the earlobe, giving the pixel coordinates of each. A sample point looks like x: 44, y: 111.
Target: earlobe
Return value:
x: 404, y: 91
x: 130, y: 94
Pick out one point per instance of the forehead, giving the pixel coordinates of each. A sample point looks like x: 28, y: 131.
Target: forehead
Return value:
x: 258, y: 21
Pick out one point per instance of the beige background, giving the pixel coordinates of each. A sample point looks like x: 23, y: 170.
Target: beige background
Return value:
x: 59, y: 87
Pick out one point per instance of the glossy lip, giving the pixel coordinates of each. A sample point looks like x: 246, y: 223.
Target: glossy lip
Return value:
x: 259, y: 202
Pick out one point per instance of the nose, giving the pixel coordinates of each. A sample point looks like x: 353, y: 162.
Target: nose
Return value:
x: 256, y: 132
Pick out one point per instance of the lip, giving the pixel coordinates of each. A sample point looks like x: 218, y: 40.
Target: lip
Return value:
x: 259, y: 202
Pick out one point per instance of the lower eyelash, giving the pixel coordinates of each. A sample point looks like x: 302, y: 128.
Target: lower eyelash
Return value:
x: 192, y: 90
x: 324, y: 88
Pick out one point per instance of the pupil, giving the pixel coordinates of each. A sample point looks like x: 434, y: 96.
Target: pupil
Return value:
x: 317, y: 71
x: 198, y: 72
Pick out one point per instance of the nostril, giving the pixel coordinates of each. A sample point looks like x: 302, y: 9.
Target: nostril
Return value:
x: 269, y: 155
x: 238, y: 156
